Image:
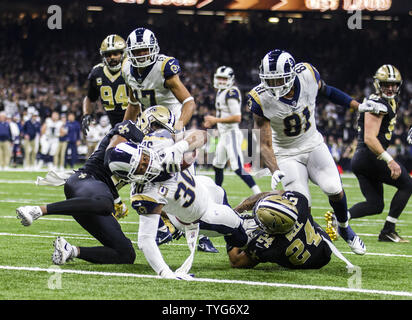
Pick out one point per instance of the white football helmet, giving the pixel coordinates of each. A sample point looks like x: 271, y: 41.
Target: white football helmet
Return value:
x: 275, y: 214
x: 135, y: 163
x: 277, y: 72
x: 224, y: 78
x: 142, y: 39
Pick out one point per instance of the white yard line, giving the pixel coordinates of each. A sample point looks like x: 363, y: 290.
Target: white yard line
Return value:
x: 220, y: 281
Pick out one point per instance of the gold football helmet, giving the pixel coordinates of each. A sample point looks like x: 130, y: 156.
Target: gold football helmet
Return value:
x: 387, y: 81
x: 275, y: 214
x: 113, y: 43
x: 157, y: 115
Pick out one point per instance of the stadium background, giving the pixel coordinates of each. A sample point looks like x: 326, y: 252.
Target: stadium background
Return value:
x: 48, y: 69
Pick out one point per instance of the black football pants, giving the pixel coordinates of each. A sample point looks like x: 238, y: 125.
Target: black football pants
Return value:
x: 372, y: 174
x: 91, y: 204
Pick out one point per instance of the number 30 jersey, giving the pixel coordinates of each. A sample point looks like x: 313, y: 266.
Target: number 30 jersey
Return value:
x: 149, y: 87
x: 292, y: 120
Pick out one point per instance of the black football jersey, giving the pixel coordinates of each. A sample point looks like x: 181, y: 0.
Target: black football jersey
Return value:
x: 387, y: 126
x: 95, y: 164
x: 111, y: 89
x: 301, y: 248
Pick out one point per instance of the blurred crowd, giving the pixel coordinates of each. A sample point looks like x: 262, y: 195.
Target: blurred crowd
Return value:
x: 45, y: 71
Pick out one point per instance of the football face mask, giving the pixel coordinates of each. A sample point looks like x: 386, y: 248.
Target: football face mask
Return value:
x: 142, y: 47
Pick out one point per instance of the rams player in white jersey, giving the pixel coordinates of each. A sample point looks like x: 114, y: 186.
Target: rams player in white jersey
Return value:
x: 153, y: 79
x: 283, y: 107
x: 228, y: 116
x: 191, y: 199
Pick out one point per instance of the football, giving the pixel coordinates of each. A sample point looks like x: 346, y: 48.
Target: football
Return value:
x: 188, y: 159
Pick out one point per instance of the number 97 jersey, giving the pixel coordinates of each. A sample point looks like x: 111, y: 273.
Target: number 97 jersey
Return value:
x: 292, y: 120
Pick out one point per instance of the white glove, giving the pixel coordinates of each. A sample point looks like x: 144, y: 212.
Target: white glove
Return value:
x: 173, y: 156
x: 372, y: 106
x: 409, y: 138
x: 277, y: 175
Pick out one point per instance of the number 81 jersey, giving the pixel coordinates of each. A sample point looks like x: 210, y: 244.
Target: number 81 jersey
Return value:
x: 292, y: 120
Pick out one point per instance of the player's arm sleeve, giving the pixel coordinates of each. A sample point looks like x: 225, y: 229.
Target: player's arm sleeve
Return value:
x: 170, y: 67
x: 93, y: 91
x: 233, y: 102
x: 335, y: 95
x: 148, y: 224
x: 128, y: 130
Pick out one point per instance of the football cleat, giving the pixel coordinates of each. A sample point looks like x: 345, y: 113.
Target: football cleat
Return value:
x: 206, y: 245
x: 331, y: 225
x: 391, y: 236
x: 163, y: 237
x: 28, y: 214
x: 63, y: 251
x: 355, y: 243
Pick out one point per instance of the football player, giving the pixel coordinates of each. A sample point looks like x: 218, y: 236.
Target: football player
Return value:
x: 283, y: 108
x: 185, y: 196
x: 287, y: 234
x: 51, y: 130
x: 228, y: 116
x: 372, y: 164
x: 153, y: 79
x: 106, y: 82
x: 93, y: 200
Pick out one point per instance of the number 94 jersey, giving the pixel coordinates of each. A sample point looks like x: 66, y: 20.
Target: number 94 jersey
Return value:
x: 301, y: 248
x: 292, y: 120
x: 111, y: 89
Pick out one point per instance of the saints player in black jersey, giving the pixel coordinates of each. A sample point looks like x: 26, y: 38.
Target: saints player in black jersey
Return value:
x: 92, y: 199
x: 106, y: 82
x: 286, y: 235
x: 372, y: 164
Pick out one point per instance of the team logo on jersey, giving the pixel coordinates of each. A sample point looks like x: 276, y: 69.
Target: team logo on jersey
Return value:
x: 123, y: 129
x: 82, y: 175
x: 163, y: 191
x: 99, y: 81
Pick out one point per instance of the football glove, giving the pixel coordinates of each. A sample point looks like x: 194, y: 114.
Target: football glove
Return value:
x: 372, y: 106
x: 121, y: 210
x: 173, y: 156
x: 277, y: 175
x: 409, y: 138
x: 86, y: 120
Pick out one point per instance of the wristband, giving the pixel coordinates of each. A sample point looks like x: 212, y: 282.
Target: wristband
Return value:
x: 385, y: 156
x: 187, y: 100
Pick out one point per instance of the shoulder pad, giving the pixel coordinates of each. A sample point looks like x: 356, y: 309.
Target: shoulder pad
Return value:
x: 170, y: 67
x: 233, y: 93
x: 253, y: 102
x: 143, y: 204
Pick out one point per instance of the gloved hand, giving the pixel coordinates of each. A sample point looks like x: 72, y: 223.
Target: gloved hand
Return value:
x: 121, y: 210
x: 173, y: 156
x: 277, y: 175
x: 86, y: 120
x: 372, y: 106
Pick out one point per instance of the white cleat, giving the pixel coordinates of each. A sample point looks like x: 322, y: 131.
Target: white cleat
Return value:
x: 28, y: 214
x: 63, y: 251
x: 357, y: 246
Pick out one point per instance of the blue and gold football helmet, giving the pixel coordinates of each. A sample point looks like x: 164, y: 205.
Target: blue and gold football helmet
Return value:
x: 142, y: 47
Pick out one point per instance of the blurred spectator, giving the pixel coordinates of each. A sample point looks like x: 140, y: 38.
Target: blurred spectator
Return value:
x: 60, y: 156
x: 31, y: 134
x: 5, y: 142
x: 73, y: 134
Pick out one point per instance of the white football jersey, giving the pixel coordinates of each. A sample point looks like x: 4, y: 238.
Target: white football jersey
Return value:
x: 52, y: 128
x: 148, y: 88
x: 223, y: 109
x: 293, y: 121
x: 182, y: 195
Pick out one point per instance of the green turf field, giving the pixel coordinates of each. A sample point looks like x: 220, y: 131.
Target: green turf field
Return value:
x: 28, y: 273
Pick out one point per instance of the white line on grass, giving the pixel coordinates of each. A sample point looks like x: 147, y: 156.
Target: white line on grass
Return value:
x: 222, y: 281
x: 85, y: 237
